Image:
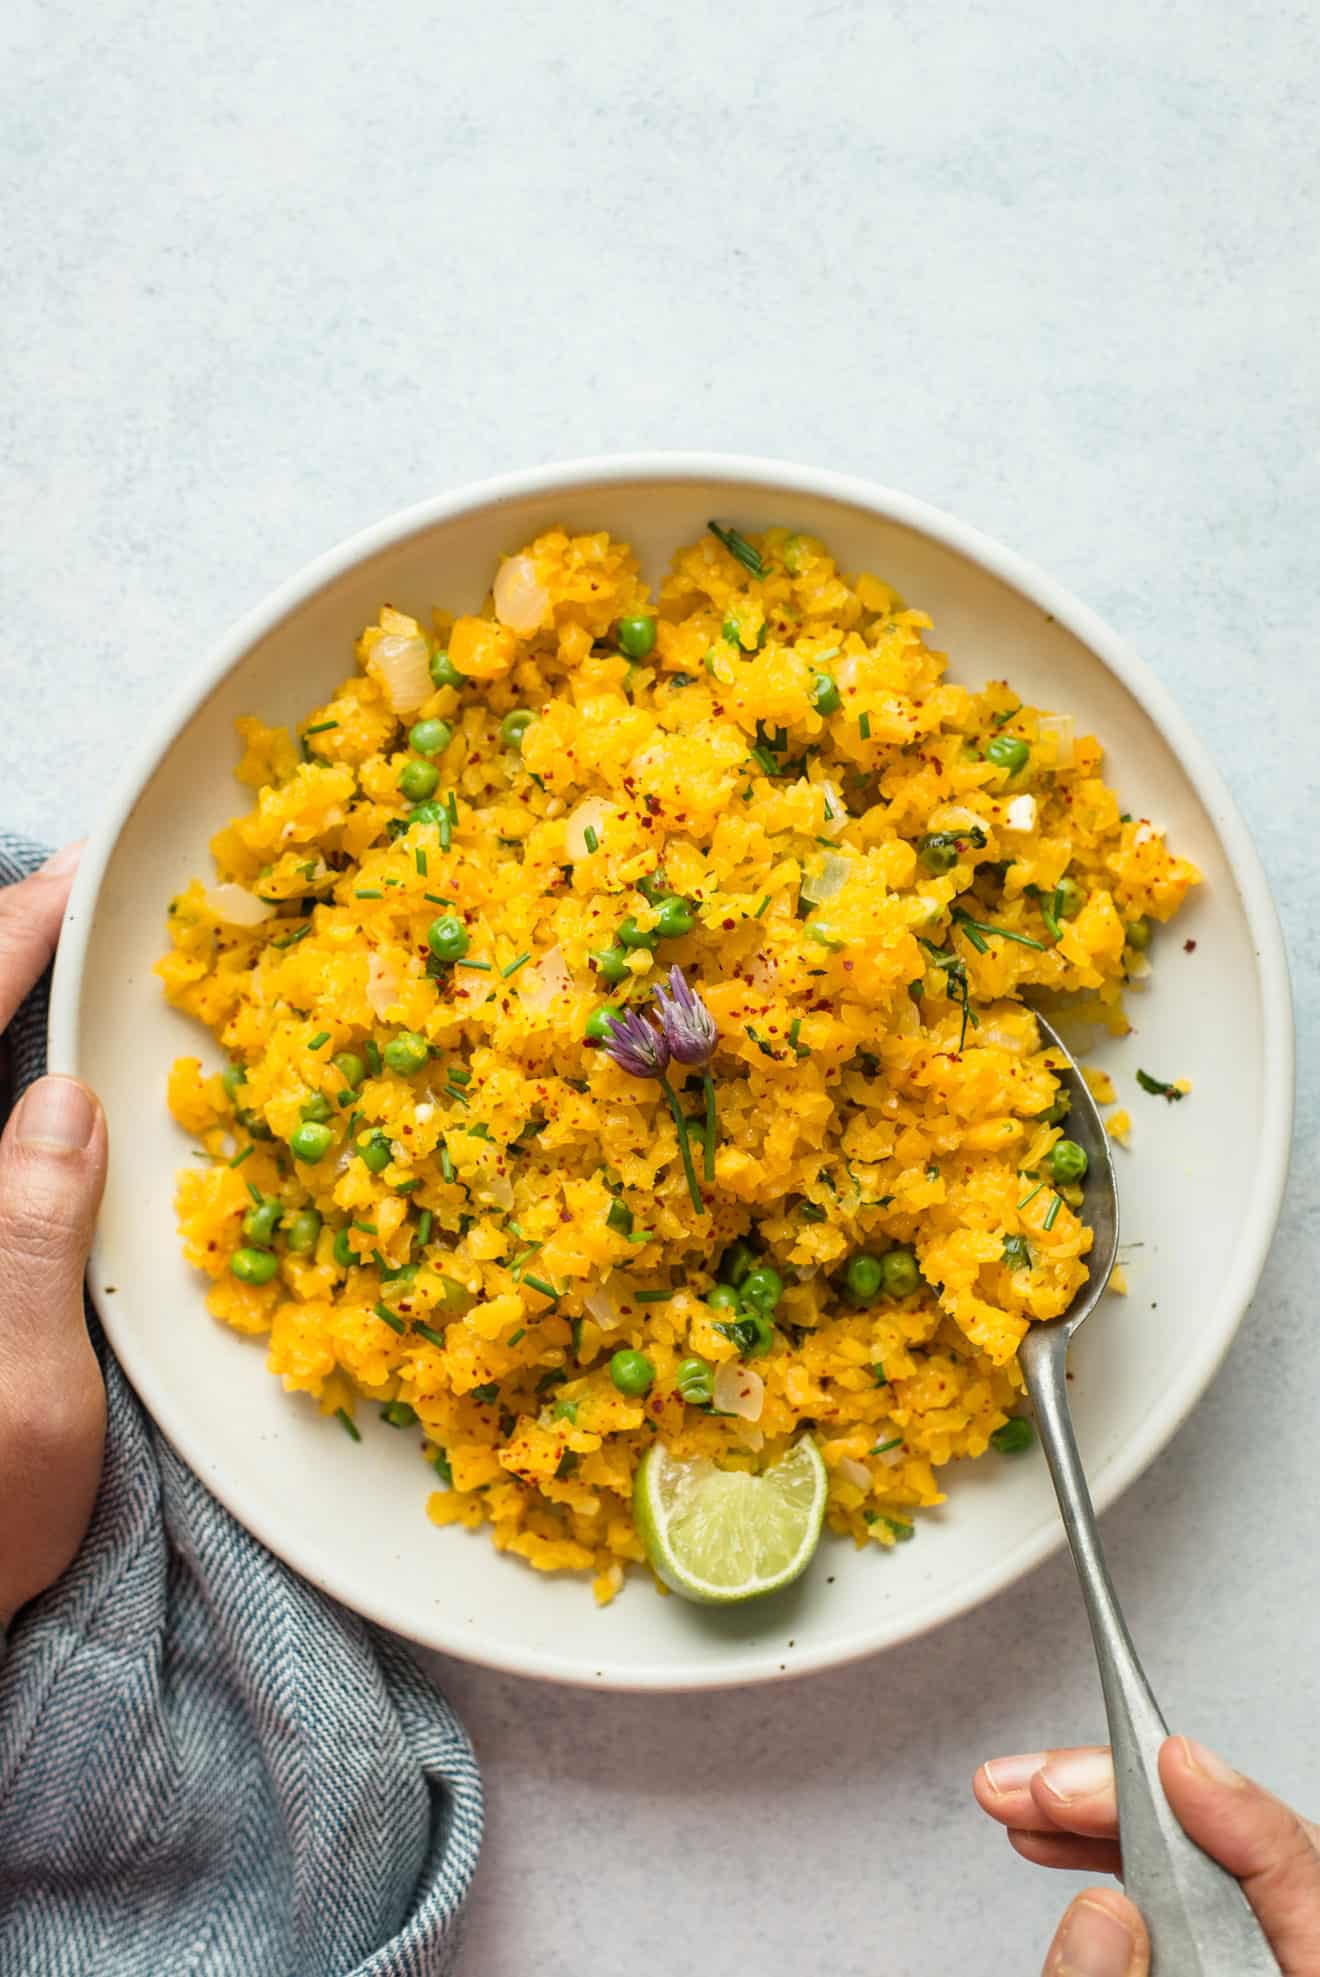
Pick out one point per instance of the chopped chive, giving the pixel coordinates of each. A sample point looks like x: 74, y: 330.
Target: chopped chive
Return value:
x: 830, y: 812
x: 864, y: 727
x: 1032, y: 1196
x: 899, y: 1528
x: 372, y: 1050
x: 883, y: 1448
x: 390, y: 1318
x: 440, y: 1463
x: 321, y: 1037
x: 346, y: 1423
x: 515, y: 1338
x: 367, y: 1228
x: 514, y: 966
x: 239, y: 1158
x: 255, y: 1192
x: 419, y: 860
x: 1052, y: 1213
x: 406, y: 1187
x: 761, y: 908
x: 446, y: 832
x: 368, y: 892
x: 1158, y: 1088
x: 322, y: 727
x: 973, y: 927
x: 431, y: 1337
x: 459, y: 1096
x: 765, y: 1049
x: 708, y: 1150
x: 739, y: 548
x: 590, y: 839
x: 652, y: 1297
x: 810, y: 1212
x: 794, y: 1032
x: 488, y: 1391
x: 291, y: 940
x: 451, y: 805
x: 460, y: 1076
x: 446, y: 1163
x: 881, y: 1377
x: 424, y: 1224
x: 546, y: 1290
x: 478, y: 967
x: 765, y: 759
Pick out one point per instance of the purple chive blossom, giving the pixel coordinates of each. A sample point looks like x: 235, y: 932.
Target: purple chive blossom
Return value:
x: 637, y: 1045
x: 688, y: 1025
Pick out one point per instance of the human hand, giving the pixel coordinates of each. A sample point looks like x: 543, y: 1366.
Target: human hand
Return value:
x: 52, y: 1170
x: 1060, y: 1811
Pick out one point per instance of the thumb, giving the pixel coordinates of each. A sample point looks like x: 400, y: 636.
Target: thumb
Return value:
x: 1273, y: 1853
x: 52, y: 1403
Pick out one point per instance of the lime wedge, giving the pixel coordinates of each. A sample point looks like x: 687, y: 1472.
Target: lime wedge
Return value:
x: 718, y: 1535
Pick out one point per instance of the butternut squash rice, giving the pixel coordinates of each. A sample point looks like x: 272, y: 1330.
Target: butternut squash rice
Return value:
x: 434, y: 1191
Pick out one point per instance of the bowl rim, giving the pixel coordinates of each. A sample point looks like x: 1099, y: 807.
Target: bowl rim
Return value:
x: 563, y: 478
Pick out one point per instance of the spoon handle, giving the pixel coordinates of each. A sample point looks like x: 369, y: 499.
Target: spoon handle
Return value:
x: 1199, y: 1920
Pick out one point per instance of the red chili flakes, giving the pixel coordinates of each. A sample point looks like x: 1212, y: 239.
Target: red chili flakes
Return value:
x: 728, y: 925
x: 1189, y: 947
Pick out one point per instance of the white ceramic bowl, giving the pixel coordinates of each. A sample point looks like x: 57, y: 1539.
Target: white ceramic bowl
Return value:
x: 1200, y: 1188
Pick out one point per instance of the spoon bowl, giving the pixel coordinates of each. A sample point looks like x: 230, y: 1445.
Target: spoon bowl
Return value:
x: 1087, y: 1128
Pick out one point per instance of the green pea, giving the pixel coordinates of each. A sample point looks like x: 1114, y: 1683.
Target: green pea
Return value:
x: 752, y: 1333
x: 444, y: 672
x: 722, y: 1297
x: 345, y: 1254
x: 1007, y: 752
x: 824, y: 694
x: 736, y: 1261
x: 254, y: 1266
x: 311, y: 1142
x: 515, y: 725
x: 676, y: 918
x: 1068, y: 1161
x: 231, y: 1078
x: 316, y: 1106
x: 430, y: 737
x: 863, y: 1278
x: 695, y: 1380
x: 303, y: 1232
x: 611, y: 964
x: 600, y: 1023
x: 636, y: 636
x: 761, y: 1288
x: 1138, y: 934
x: 447, y: 938
x: 351, y: 1068
x: 1013, y: 1436
x: 1069, y: 899
x: 633, y: 936
x: 406, y: 1053
x: 374, y: 1153
x: 937, y: 852
x: 899, y: 1273
x: 260, y: 1224
x: 632, y: 1372
x: 429, y: 812
x: 418, y: 780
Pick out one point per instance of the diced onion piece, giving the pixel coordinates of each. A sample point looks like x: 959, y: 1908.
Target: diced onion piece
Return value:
x: 762, y: 971
x: 848, y: 670
x: 238, y: 907
x: 1021, y: 814
x: 1062, y: 728
x: 738, y: 1390
x: 522, y: 601
x: 592, y: 814
x: 853, y: 1471
x: 403, y: 667
x: 544, y: 983
x: 954, y: 817
x: 495, y: 1191
x: 382, y: 985
x: 599, y: 1305
x: 834, y: 811
x: 828, y: 880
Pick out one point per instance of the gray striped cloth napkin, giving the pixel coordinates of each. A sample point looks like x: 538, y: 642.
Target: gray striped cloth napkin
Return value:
x: 207, y: 1767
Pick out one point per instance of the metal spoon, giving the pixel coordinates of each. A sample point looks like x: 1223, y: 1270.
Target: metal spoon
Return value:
x: 1200, y: 1922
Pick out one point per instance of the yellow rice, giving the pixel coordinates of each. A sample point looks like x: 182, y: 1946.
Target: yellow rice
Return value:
x: 849, y: 1117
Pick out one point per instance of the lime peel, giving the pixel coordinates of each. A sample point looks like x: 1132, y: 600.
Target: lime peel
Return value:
x: 719, y: 1536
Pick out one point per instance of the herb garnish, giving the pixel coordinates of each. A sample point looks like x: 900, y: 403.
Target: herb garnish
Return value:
x: 739, y: 548
x: 1158, y: 1088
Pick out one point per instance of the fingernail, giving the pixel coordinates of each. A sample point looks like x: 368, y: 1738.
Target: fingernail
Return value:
x: 65, y: 860
x: 57, y: 1113
x: 1095, y: 1943
x: 1203, y: 1760
x: 1077, y: 1774
x: 1012, y: 1774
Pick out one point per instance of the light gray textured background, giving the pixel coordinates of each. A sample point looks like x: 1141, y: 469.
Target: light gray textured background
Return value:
x: 274, y: 270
